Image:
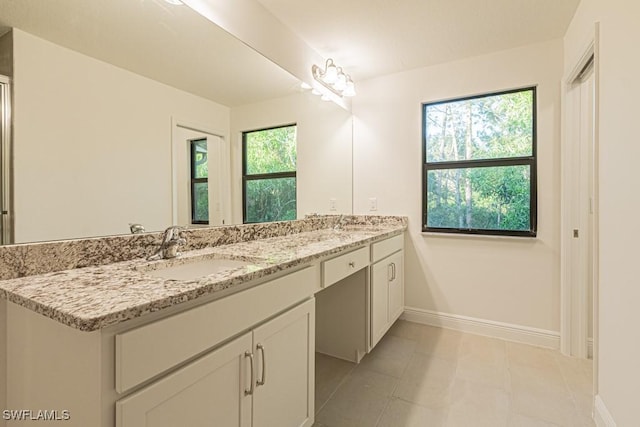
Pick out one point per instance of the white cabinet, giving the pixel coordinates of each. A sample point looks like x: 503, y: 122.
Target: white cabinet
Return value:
x: 263, y: 378
x: 387, y: 294
x: 207, y: 392
x: 285, y: 369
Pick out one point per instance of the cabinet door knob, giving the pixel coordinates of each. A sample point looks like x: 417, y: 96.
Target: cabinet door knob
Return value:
x: 352, y: 264
x: 263, y: 377
x: 249, y: 391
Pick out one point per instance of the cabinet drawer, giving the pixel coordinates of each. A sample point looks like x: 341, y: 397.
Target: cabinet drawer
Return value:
x: 386, y: 247
x: 147, y: 351
x: 342, y: 266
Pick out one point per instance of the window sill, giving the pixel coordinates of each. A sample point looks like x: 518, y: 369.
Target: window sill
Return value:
x: 429, y: 234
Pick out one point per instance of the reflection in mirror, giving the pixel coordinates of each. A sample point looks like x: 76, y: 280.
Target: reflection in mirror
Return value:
x: 107, y: 99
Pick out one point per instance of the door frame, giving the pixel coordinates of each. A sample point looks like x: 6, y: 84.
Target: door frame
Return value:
x: 6, y: 163
x: 574, y: 301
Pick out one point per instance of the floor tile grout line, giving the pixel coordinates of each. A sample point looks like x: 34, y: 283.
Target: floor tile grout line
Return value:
x: 383, y: 411
x: 342, y: 381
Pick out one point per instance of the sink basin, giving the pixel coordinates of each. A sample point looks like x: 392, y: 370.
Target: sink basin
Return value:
x: 196, y: 269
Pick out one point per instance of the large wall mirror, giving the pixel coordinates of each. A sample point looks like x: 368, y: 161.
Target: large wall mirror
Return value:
x: 108, y: 98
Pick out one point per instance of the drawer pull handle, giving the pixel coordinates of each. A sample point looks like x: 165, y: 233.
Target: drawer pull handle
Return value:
x: 253, y: 378
x: 263, y: 377
x: 352, y: 264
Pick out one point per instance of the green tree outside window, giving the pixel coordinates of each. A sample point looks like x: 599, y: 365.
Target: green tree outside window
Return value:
x: 269, y: 178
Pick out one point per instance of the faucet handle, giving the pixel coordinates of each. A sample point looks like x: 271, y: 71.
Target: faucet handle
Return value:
x: 171, y: 233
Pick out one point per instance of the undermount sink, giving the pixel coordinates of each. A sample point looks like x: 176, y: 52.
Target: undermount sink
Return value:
x: 196, y: 269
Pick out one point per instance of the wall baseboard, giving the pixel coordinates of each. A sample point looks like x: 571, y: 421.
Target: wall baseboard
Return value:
x: 601, y: 415
x: 490, y: 328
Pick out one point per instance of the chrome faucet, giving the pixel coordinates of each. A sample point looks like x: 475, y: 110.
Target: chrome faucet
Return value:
x: 171, y: 239
x: 136, y: 228
x: 338, y: 224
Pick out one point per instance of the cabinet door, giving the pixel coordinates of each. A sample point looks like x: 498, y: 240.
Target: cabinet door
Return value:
x: 387, y: 294
x: 285, y: 363
x: 381, y: 273
x: 208, y: 392
x: 396, y: 287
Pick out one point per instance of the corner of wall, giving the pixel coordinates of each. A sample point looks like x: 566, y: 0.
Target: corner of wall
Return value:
x: 601, y: 414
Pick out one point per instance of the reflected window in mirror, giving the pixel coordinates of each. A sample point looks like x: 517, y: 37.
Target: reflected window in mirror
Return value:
x: 269, y: 174
x: 199, y: 182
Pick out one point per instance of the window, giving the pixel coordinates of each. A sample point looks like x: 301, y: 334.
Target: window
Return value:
x: 479, y: 174
x: 269, y: 174
x: 199, y: 182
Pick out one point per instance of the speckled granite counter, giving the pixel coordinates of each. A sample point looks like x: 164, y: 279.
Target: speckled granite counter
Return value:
x: 95, y: 297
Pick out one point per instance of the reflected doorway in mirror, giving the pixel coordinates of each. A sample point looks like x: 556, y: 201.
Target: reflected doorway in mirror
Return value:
x: 200, y: 177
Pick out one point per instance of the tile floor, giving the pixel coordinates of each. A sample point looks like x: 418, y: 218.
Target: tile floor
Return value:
x: 424, y: 376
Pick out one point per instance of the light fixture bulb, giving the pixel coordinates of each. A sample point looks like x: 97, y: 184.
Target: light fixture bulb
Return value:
x: 305, y: 86
x: 325, y: 97
x: 316, y: 92
x: 341, y: 81
x: 174, y: 2
x: 331, y: 73
x: 350, y: 89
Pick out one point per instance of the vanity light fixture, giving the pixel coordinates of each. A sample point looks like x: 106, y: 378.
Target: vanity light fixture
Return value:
x: 174, y: 2
x: 334, y: 78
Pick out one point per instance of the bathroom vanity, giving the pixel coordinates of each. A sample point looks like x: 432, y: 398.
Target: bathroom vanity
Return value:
x: 125, y: 345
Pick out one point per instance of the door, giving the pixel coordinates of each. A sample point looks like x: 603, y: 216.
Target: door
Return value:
x: 285, y: 364
x: 200, y: 176
x: 578, y: 210
x: 586, y: 210
x: 212, y: 391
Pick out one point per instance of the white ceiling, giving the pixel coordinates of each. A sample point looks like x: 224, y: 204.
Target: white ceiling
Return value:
x: 176, y: 46
x: 375, y: 37
x: 171, y: 44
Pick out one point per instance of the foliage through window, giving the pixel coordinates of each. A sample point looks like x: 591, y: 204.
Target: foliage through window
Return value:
x: 269, y: 174
x: 479, y: 174
x: 199, y: 182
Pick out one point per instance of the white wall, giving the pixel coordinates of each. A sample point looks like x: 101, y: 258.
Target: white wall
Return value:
x: 324, y: 134
x: 92, y: 143
x: 619, y: 290
x: 510, y: 280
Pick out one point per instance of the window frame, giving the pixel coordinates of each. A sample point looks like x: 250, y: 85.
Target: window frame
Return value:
x: 261, y: 176
x: 194, y: 180
x: 530, y: 161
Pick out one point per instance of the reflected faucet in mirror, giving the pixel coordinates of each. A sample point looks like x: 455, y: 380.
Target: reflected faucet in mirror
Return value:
x: 171, y: 239
x: 136, y: 228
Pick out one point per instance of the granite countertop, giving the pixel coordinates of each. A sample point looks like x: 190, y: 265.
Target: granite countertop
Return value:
x: 95, y: 297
